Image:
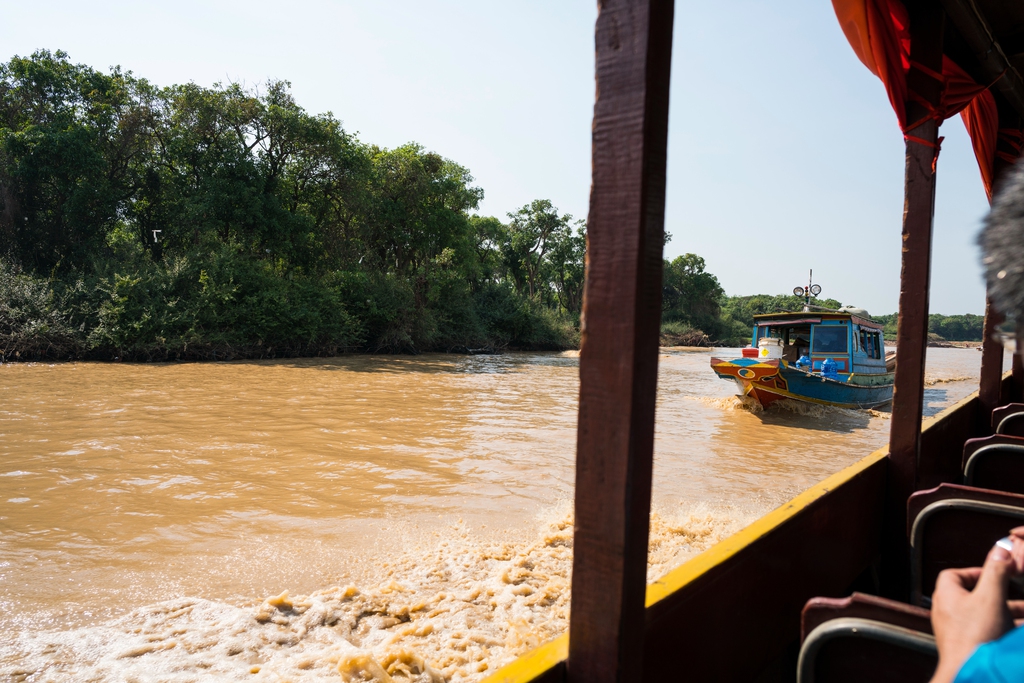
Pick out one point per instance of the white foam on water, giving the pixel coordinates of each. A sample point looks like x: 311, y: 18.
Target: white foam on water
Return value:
x: 453, y: 611
x: 930, y: 381
x: 728, y: 403
x: 801, y: 408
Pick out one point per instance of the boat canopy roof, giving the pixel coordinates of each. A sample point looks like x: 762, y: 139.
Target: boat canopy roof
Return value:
x: 788, y: 321
x: 801, y: 318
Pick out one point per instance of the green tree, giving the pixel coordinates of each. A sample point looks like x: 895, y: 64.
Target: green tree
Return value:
x: 690, y: 294
x: 567, y: 259
x: 72, y: 143
x: 529, y: 238
x: 968, y: 327
x: 419, y: 208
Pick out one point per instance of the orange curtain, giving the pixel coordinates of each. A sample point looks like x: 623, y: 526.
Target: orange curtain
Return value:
x: 879, y: 33
x: 981, y: 119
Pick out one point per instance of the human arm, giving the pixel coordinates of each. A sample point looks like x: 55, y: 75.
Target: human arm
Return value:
x: 969, y: 608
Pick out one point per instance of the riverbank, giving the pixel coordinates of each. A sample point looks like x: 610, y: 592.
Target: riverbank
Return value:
x: 936, y: 344
x: 224, y: 306
x: 955, y: 344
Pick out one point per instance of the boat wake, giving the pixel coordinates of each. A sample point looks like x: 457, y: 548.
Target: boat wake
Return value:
x: 452, y: 612
x: 785, y: 405
x: 816, y: 410
x: 932, y: 381
x: 729, y: 403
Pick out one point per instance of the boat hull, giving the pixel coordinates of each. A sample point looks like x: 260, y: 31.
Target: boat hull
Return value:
x: 767, y: 381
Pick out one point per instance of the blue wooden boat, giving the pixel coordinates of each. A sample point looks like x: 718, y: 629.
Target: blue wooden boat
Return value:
x: 834, y: 358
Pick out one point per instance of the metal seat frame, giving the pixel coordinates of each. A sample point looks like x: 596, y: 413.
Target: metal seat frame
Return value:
x: 921, y: 523
x: 853, y: 627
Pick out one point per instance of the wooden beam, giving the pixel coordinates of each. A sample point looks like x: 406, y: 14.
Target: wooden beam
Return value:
x: 926, y: 27
x: 990, y: 385
x: 619, y: 345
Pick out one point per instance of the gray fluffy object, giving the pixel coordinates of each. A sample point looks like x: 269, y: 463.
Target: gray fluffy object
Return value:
x: 1002, y: 245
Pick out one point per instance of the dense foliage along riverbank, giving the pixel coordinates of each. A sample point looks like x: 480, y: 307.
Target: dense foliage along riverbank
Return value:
x: 148, y: 223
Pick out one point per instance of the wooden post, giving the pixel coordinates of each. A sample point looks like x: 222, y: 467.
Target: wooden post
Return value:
x: 926, y: 26
x: 619, y: 347
x: 991, y: 384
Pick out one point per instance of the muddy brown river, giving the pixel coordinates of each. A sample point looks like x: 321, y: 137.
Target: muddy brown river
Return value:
x: 357, y: 518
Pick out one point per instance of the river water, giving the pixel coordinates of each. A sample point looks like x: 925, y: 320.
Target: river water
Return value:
x: 356, y: 518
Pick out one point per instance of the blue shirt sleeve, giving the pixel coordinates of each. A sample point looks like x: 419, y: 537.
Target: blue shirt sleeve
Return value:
x: 1001, y: 661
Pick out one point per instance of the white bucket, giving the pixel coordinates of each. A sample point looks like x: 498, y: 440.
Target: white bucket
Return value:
x: 769, y: 348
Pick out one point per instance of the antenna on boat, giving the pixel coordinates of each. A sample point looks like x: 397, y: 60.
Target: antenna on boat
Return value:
x: 808, y: 291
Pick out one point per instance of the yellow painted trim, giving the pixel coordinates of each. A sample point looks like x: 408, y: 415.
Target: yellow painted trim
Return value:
x: 731, y: 364
x: 723, y: 550
x: 533, y: 663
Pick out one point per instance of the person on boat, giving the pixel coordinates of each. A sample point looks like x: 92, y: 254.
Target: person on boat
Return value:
x: 974, y: 622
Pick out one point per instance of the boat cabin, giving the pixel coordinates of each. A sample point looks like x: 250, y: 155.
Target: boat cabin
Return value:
x: 853, y: 342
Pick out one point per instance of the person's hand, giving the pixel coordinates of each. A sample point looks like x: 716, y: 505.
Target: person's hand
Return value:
x: 1017, y: 537
x: 969, y: 608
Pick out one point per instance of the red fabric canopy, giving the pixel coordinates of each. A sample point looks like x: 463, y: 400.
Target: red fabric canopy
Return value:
x: 879, y: 33
x: 982, y: 122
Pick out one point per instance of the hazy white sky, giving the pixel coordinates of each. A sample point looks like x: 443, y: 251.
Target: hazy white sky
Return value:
x: 784, y: 153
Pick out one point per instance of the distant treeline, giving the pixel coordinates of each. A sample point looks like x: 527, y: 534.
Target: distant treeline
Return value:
x: 140, y: 222
x: 698, y: 312
x: 967, y: 327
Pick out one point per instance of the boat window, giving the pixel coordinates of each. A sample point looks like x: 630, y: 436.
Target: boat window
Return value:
x: 829, y: 339
x: 871, y: 342
x: 796, y: 343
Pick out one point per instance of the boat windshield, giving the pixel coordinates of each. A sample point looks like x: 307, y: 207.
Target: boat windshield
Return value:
x: 829, y: 339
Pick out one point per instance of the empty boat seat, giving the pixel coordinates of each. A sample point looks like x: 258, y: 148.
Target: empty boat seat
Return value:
x: 953, y: 527
x: 1009, y: 419
x: 863, y: 606
x: 844, y: 640
x: 995, y: 462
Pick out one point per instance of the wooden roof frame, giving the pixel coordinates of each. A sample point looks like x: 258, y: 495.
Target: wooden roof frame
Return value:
x: 970, y: 19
